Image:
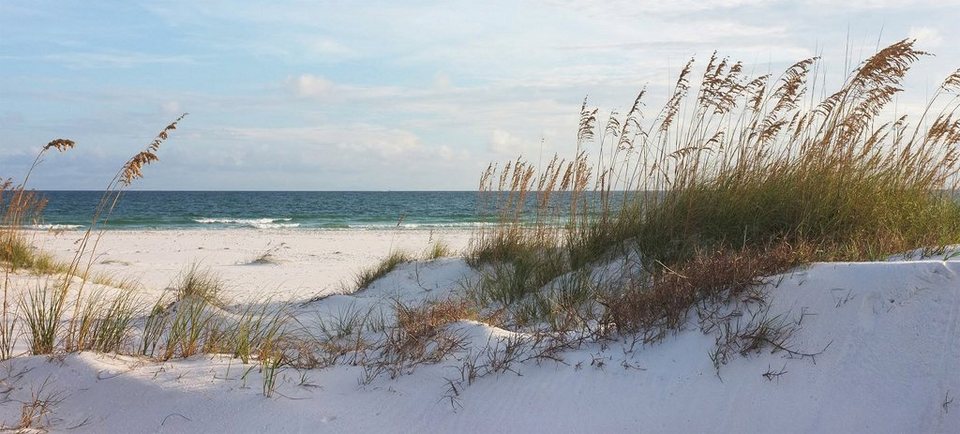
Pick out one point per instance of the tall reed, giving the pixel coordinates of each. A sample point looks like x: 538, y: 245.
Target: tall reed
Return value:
x: 734, y: 167
x: 758, y: 160
x: 130, y: 171
x: 18, y: 206
x: 43, y: 308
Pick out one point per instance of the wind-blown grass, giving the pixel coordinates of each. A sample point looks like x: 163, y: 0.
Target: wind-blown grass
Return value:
x: 17, y: 207
x: 196, y: 282
x: 732, y: 164
x: 93, y: 325
x: 436, y: 250
x: 42, y: 311
x: 385, y: 266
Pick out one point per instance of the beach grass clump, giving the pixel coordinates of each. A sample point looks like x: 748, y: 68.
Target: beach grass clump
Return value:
x: 567, y: 303
x: 193, y: 325
x: 114, y: 325
x: 506, y: 283
x: 436, y: 250
x: 257, y: 328
x: 9, y: 332
x: 19, y: 207
x: 196, y: 322
x: 661, y: 304
x: 128, y: 283
x: 18, y: 254
x: 420, y: 322
x: 85, y: 254
x: 346, y: 321
x: 346, y: 333
x: 42, y: 310
x: 419, y: 336
x: 734, y: 178
x: 198, y: 283
x: 831, y: 173
x: 104, y: 323
x: 192, y: 320
x: 366, y: 277
x: 96, y: 323
x: 272, y: 359
x: 16, y: 251
x: 154, y: 326
x: 267, y: 257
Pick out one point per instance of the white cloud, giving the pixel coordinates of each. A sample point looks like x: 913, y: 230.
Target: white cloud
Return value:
x: 333, y: 142
x: 620, y: 8
x: 441, y: 80
x: 171, y: 108
x: 886, y: 4
x: 328, y: 49
x: 506, y: 144
x: 113, y: 59
x: 926, y: 37
x: 309, y: 85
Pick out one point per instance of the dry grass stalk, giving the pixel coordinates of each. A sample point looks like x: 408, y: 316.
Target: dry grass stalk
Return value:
x: 658, y: 305
x: 43, y: 308
x: 36, y: 413
x: 420, y: 336
x: 130, y: 171
x: 17, y: 207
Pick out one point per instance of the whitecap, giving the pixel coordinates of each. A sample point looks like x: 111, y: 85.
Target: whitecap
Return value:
x: 239, y: 221
x: 273, y: 225
x: 54, y: 227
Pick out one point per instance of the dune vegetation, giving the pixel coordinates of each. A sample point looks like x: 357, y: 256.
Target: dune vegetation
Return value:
x: 731, y: 180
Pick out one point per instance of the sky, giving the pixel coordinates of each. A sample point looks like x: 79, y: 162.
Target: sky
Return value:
x: 386, y: 95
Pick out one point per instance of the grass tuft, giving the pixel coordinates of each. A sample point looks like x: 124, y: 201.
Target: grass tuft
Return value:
x: 42, y: 311
x: 197, y: 283
x: 438, y: 249
x: 191, y: 321
x: 366, y: 277
x: 153, y: 328
x: 659, y: 305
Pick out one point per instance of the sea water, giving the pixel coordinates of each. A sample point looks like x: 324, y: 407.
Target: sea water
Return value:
x: 268, y: 210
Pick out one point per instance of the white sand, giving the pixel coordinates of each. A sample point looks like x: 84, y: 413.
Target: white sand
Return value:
x: 308, y: 262
x: 890, y: 332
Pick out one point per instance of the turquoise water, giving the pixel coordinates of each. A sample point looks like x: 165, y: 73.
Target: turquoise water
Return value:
x: 267, y: 210
x: 278, y: 210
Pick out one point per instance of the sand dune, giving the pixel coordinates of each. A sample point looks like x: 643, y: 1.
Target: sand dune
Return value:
x: 885, y: 335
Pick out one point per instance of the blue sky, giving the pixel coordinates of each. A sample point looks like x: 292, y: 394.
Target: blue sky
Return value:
x: 394, y: 95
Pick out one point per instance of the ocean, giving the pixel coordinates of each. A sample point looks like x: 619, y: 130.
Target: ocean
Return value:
x: 267, y: 210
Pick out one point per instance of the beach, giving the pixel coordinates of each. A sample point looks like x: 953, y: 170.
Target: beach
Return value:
x: 300, y: 264
x: 324, y: 218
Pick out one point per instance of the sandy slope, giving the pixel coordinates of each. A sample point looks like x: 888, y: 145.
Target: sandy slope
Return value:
x: 892, y: 362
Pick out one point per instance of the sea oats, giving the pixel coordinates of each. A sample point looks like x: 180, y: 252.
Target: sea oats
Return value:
x: 133, y: 169
x: 60, y: 144
x: 952, y: 82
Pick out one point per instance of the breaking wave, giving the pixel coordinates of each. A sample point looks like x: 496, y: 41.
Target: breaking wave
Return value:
x: 258, y: 223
